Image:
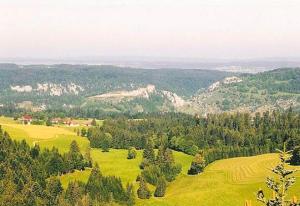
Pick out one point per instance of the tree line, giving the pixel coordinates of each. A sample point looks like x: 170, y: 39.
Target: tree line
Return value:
x: 219, y: 136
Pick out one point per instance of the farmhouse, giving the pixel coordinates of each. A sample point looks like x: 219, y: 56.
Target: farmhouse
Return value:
x: 26, y: 119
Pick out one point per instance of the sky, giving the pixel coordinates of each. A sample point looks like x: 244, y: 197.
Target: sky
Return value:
x: 233, y: 29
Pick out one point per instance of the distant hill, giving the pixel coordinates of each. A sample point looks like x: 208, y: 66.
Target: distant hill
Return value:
x: 276, y: 89
x: 57, y: 86
x: 111, y: 89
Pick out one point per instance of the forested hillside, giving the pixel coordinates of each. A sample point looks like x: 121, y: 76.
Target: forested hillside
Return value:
x: 68, y: 86
x: 105, y: 90
x: 276, y: 89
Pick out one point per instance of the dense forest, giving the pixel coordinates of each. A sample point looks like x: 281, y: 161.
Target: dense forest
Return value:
x: 219, y: 136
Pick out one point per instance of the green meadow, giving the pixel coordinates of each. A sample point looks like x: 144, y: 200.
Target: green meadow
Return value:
x: 223, y: 183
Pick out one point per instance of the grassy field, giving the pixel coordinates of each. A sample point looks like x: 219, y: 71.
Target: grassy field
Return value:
x: 115, y: 163
x: 226, y: 182
x: 46, y: 137
x: 223, y: 183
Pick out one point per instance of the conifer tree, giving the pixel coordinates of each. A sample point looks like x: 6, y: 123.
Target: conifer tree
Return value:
x: 93, y: 183
x: 160, y: 187
x: 281, y: 186
x: 74, y: 157
x: 143, y: 192
x: 148, y: 152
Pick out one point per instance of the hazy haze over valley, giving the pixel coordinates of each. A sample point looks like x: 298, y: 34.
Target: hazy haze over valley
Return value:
x: 199, y: 34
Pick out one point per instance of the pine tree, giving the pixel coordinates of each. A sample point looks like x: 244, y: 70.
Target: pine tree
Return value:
x: 160, y: 187
x: 148, y: 152
x: 279, y: 187
x: 74, y: 157
x: 143, y: 192
x: 93, y: 183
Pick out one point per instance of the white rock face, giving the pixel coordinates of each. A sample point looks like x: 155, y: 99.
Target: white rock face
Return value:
x: 51, y: 88
x: 233, y: 79
x: 227, y: 80
x: 42, y: 87
x: 56, y: 90
x: 140, y: 92
x: 75, y: 89
x: 176, y: 100
x: 17, y: 88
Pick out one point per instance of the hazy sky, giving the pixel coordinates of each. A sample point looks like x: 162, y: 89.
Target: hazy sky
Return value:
x: 156, y: 28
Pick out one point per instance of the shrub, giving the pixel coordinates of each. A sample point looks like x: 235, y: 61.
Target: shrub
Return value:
x: 131, y: 153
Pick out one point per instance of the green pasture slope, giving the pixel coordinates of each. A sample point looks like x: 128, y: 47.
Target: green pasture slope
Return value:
x: 46, y: 137
x: 223, y: 183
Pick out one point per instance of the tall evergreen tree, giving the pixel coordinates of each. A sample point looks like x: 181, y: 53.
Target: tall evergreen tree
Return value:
x: 74, y: 157
x: 148, y: 152
x: 93, y: 183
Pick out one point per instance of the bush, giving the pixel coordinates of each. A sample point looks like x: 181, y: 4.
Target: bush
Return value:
x: 131, y: 153
x: 197, y: 165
